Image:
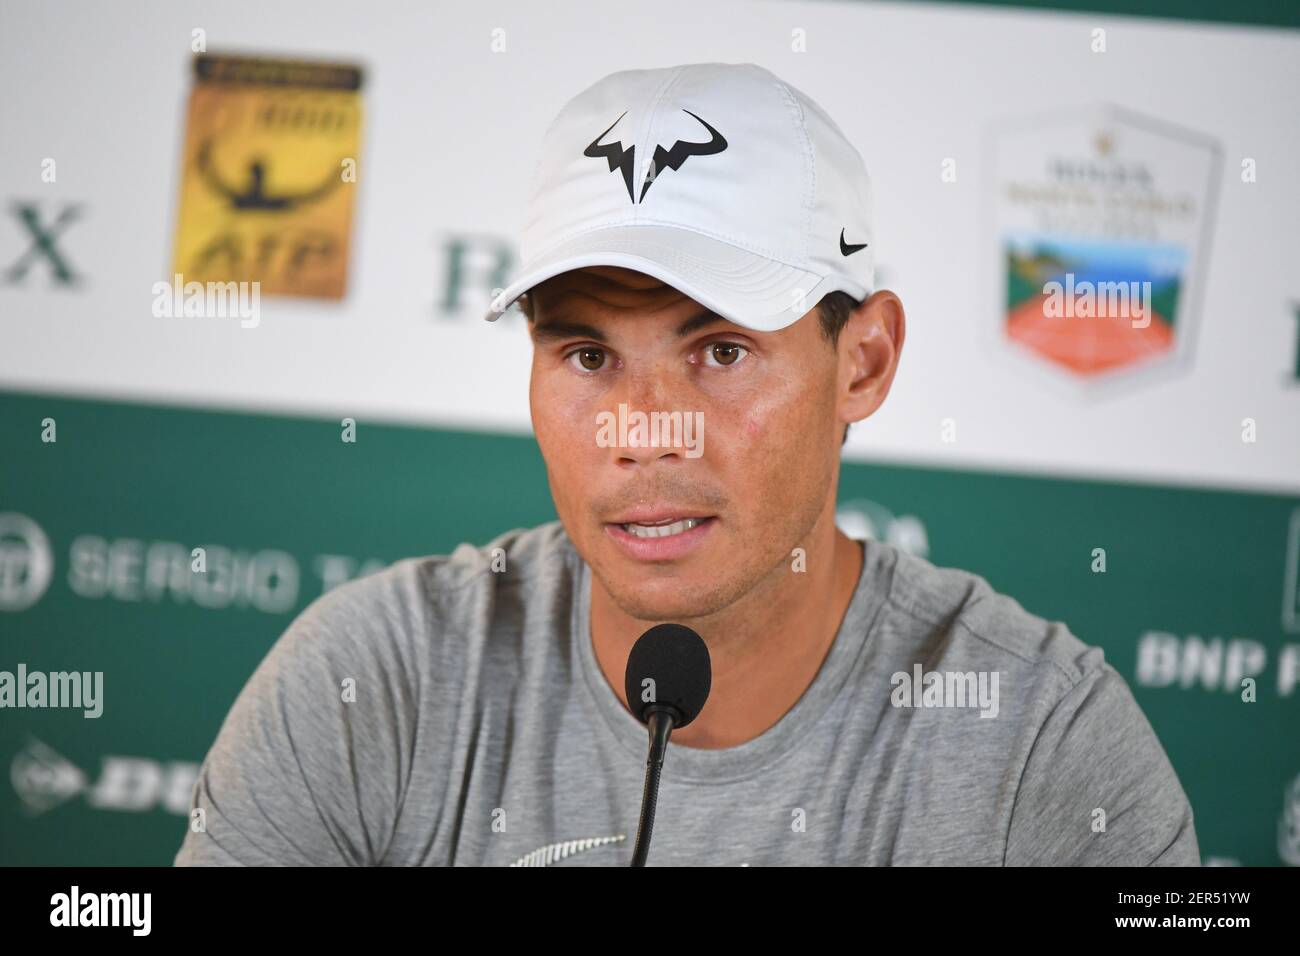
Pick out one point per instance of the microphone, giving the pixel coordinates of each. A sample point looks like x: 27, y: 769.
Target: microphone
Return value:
x: 667, y: 682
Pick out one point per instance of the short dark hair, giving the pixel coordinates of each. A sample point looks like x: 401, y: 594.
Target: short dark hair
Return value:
x: 526, y: 305
x: 833, y: 311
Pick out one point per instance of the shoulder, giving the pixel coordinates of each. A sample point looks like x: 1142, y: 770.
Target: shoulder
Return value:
x: 357, y: 705
x: 402, y: 609
x: 959, y: 613
x: 954, y: 624
x: 1072, y: 731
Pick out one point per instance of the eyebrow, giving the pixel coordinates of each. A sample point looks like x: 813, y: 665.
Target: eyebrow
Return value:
x: 558, y: 329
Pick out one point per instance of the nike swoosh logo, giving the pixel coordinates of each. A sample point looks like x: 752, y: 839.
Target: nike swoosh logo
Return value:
x: 554, y: 852
x: 846, y: 249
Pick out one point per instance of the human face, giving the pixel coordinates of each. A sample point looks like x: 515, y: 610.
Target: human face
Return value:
x: 766, y: 468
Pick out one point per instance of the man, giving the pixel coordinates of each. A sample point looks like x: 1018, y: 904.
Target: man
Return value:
x: 699, y: 246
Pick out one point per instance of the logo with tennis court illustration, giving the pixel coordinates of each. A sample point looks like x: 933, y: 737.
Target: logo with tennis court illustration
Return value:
x: 1102, y: 224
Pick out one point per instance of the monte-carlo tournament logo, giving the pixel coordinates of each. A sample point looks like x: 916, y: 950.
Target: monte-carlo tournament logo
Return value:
x: 1101, y: 221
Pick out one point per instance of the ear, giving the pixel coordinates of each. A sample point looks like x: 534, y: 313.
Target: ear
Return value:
x: 870, y: 345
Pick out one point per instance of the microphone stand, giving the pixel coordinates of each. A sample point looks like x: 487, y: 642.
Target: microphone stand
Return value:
x: 660, y: 718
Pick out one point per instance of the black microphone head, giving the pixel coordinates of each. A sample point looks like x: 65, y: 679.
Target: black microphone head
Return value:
x: 676, y: 659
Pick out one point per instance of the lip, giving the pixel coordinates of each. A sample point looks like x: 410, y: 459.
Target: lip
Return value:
x: 660, y: 549
x: 657, y: 514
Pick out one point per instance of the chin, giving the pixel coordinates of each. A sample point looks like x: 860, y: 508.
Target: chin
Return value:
x: 670, y: 598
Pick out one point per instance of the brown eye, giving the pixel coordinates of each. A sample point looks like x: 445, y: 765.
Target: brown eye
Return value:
x: 590, y: 359
x: 725, y: 353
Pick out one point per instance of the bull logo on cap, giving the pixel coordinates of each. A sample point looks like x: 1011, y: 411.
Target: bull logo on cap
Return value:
x: 625, y: 161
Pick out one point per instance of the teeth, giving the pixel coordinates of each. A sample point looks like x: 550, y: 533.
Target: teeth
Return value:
x: 661, y: 530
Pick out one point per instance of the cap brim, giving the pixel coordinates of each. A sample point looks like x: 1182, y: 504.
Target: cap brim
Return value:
x: 744, y: 287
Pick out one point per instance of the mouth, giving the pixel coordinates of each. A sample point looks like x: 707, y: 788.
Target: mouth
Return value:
x: 659, y: 537
x: 661, y: 529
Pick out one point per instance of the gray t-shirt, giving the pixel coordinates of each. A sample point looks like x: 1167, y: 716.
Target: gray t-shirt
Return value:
x: 443, y: 712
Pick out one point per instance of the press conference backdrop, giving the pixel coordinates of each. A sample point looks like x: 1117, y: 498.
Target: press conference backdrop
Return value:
x: 368, y: 168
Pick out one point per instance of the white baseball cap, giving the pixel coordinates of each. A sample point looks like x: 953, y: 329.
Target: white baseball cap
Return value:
x: 719, y: 179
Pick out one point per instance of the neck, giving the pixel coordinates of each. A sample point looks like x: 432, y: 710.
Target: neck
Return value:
x: 765, y: 648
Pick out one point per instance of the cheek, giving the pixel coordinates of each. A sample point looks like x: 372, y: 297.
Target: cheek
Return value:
x: 547, y: 424
x: 775, y: 420
x: 777, y: 457
x: 552, y: 410
x: 565, y: 428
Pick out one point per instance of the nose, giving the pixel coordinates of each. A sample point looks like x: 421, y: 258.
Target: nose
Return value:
x: 643, y: 409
